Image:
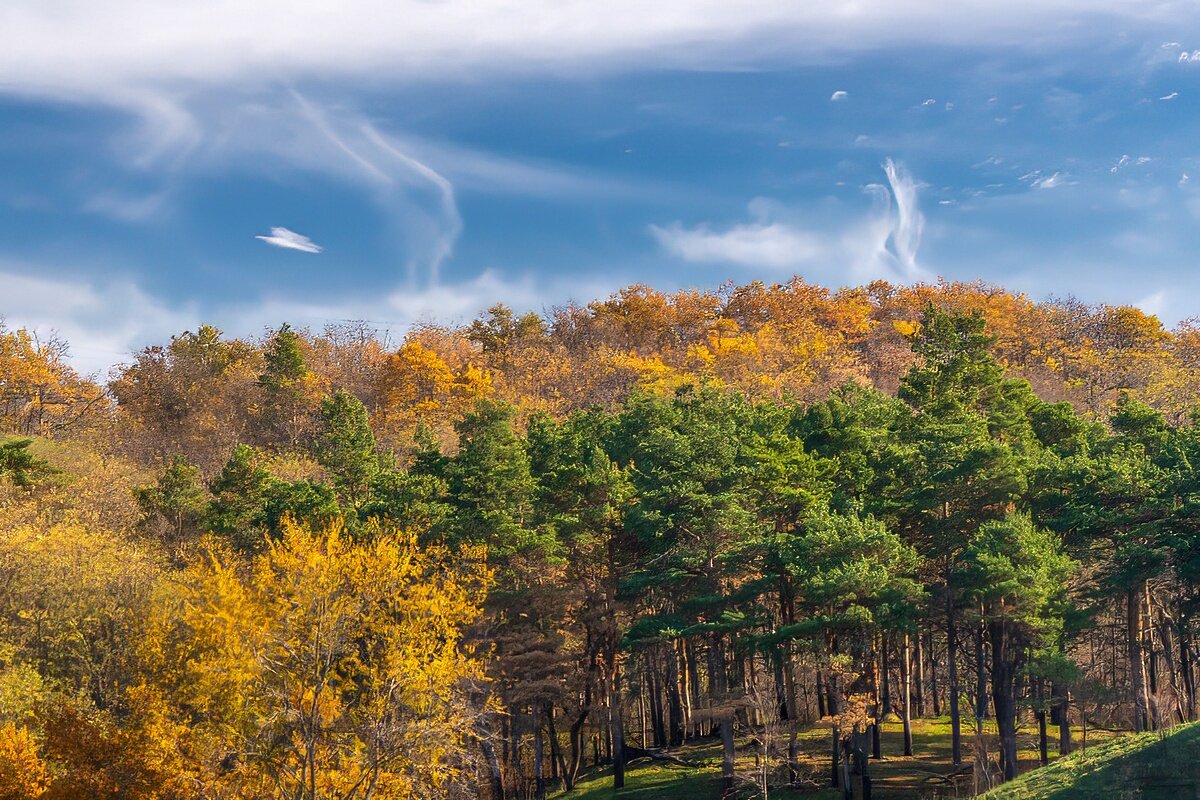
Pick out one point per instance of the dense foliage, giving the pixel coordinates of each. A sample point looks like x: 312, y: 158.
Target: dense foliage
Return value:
x: 312, y: 567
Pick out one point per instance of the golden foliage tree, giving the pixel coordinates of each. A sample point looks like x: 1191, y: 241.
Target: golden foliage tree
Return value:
x: 326, y: 668
x: 22, y: 772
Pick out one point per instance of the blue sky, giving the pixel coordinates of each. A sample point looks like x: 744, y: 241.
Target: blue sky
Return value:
x: 429, y: 159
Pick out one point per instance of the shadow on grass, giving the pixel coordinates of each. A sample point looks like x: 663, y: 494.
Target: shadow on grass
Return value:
x: 1146, y: 767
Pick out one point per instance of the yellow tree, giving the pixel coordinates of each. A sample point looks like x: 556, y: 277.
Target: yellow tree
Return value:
x: 40, y: 393
x: 417, y: 385
x: 326, y: 668
x: 23, y: 774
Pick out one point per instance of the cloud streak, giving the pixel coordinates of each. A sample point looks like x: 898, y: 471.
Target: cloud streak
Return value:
x: 290, y: 240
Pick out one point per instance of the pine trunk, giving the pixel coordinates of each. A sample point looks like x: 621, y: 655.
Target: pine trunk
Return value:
x: 1004, y: 698
x: 674, y: 698
x: 906, y: 681
x: 1137, y: 673
x: 952, y: 681
x: 919, y: 677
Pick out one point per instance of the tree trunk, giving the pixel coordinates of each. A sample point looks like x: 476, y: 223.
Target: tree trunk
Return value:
x: 933, y: 685
x: 1004, y: 697
x: 558, y: 766
x: 885, y: 686
x: 919, y: 677
x: 781, y: 711
x: 906, y: 681
x: 1137, y: 674
x: 836, y: 773
x: 981, y: 693
x: 952, y: 681
x: 656, y: 708
x: 491, y: 759
x: 692, y: 670
x: 1186, y: 666
x: 674, y: 700
x: 876, y: 745
x: 833, y: 697
x: 1150, y: 651
x: 727, y: 752
x: 1173, y: 672
x: 514, y: 753
x: 1043, y: 753
x: 616, y: 723
x: 578, y: 751
x: 1062, y: 706
x: 539, y: 766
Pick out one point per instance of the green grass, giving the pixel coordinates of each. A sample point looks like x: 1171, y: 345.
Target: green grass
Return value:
x: 1150, y: 766
x: 895, y: 777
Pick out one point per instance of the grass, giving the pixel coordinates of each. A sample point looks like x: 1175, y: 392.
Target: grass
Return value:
x: 1150, y: 766
x: 895, y: 777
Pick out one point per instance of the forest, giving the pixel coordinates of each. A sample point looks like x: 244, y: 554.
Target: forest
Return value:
x: 492, y: 557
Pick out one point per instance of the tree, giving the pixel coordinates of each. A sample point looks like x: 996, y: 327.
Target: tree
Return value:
x: 177, y: 498
x: 965, y: 451
x: 345, y: 446
x: 20, y: 466
x: 194, y: 396
x: 239, y: 492
x: 23, y: 774
x: 40, y: 394
x: 1018, y: 575
x: 73, y: 603
x: 330, y: 668
x: 490, y: 486
x: 289, y: 389
x: 575, y: 615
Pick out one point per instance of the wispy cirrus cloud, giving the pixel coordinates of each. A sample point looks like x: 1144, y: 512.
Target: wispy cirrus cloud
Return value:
x: 290, y: 240
x: 882, y: 243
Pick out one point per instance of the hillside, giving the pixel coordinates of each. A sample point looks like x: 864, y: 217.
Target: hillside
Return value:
x: 1150, y: 765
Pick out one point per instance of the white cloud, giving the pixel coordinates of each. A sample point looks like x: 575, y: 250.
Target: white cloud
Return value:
x: 104, y: 322
x: 1047, y: 182
x: 838, y: 95
x: 1125, y: 161
x: 401, y: 308
x: 96, y: 320
x: 772, y: 245
x: 81, y: 48
x: 883, y: 243
x: 127, y: 208
x: 910, y: 222
x: 290, y: 240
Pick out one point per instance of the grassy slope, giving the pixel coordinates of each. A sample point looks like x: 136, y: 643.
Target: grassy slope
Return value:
x: 894, y: 778
x: 1146, y: 766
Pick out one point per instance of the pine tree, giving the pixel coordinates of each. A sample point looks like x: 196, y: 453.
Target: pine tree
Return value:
x: 345, y: 446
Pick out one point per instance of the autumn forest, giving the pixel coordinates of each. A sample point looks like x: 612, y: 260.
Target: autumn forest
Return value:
x: 502, y: 558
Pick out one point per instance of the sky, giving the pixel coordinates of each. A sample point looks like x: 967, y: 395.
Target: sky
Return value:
x: 164, y: 165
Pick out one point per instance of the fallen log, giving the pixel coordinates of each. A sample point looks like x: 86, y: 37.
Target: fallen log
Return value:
x: 636, y: 753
